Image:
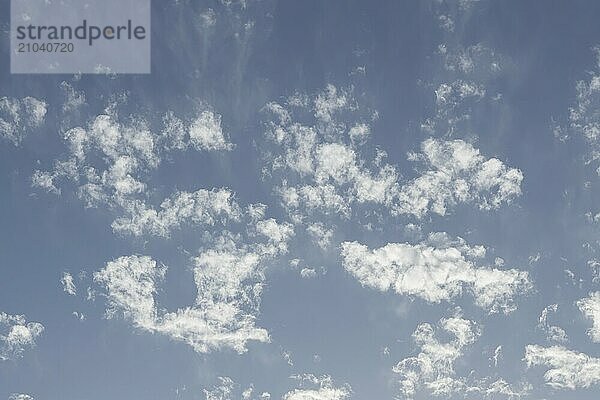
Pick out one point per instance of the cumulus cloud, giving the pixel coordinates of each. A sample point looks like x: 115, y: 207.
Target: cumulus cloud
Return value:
x: 432, y: 369
x: 18, y: 117
x: 323, y: 389
x: 68, y: 284
x: 109, y: 163
x: 565, y: 369
x: 318, y: 158
x: 229, y: 278
x: 438, y: 269
x: 17, y: 335
x: 323, y: 166
x: 206, y: 132
x: 457, y: 173
x: 590, y: 307
x: 202, y: 207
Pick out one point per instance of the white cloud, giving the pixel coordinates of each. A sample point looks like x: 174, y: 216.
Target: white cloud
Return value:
x: 432, y: 369
x: 471, y: 61
x: 463, y: 79
x: 68, y: 284
x: 206, y: 132
x: 227, y: 389
x: 216, y: 321
x: 277, y: 234
x: 202, y: 207
x: 450, y: 95
x: 583, y: 116
x: 131, y: 282
x: 222, y: 391
x: 229, y: 278
x: 320, y: 161
x: 458, y: 174
x: 322, y: 166
x: 359, y: 132
x: 74, y: 99
x: 590, y: 307
x: 308, y: 273
x: 18, y: 117
x: 20, y: 396
x: 109, y: 164
x: 328, y: 102
x: 320, y: 234
x: 435, y: 270
x: 17, y: 335
x: 324, y: 390
x: 307, y: 199
x: 566, y: 369
x: 553, y: 333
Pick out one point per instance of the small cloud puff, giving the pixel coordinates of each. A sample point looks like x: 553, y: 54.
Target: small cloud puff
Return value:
x: 17, y: 335
x: 322, y: 389
x: 68, y: 284
x: 18, y: 117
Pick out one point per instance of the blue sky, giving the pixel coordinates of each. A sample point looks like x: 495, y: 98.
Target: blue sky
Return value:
x: 318, y: 200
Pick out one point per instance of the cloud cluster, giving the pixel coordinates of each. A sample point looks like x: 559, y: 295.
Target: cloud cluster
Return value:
x: 229, y: 277
x: 320, y: 158
x: 18, y: 117
x: 432, y: 370
x: 202, y: 207
x: 433, y: 367
x: 590, y: 307
x: 109, y: 163
x: 457, y: 173
x: 17, y: 335
x: 317, y: 155
x: 438, y: 269
x: 566, y: 369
